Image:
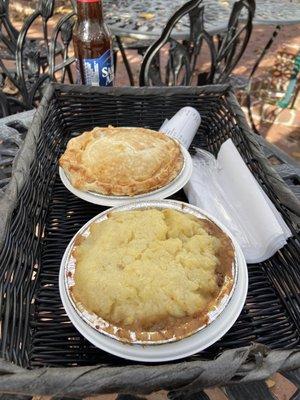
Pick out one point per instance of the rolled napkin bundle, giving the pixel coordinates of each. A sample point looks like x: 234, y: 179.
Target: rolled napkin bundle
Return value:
x: 225, y: 188
x: 183, y: 126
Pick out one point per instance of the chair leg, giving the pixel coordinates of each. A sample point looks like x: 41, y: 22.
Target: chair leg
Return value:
x: 252, y: 123
x: 254, y: 68
x: 126, y: 63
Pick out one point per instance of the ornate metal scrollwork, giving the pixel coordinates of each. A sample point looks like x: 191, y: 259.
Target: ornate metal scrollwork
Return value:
x: 178, y: 67
x: 33, y: 62
x: 46, y: 8
x: 67, y: 32
x: 224, y: 55
x: 64, y: 30
x: 178, y: 59
x: 3, y: 7
x: 233, y: 44
x: 32, y: 55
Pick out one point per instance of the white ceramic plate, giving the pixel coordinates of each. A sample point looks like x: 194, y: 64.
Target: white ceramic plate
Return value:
x: 169, y: 351
x: 158, y: 194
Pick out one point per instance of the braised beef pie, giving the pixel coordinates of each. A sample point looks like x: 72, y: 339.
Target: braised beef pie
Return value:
x: 121, y: 161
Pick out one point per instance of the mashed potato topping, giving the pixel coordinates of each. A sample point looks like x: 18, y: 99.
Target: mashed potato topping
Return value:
x: 139, y: 268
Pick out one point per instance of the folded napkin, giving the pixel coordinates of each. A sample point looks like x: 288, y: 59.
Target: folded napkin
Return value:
x: 225, y: 188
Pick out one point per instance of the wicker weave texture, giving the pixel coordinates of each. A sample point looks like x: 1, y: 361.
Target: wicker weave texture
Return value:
x: 41, y: 216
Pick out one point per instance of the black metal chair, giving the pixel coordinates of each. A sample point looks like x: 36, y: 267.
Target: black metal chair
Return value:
x: 31, y: 55
x: 32, y: 59
x: 8, y: 46
x: 10, y: 105
x: 179, y: 58
x: 39, y: 61
x: 8, y: 34
x: 183, y: 58
x: 233, y: 44
x: 61, y: 38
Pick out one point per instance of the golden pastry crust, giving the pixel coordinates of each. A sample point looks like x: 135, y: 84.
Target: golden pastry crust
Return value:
x: 121, y: 161
x: 152, y: 275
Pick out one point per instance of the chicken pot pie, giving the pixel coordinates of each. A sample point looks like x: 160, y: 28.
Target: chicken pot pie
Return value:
x: 121, y: 161
x: 152, y: 275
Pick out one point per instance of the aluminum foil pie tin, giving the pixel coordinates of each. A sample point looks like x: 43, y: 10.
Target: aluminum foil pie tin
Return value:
x: 93, y: 322
x: 172, y: 187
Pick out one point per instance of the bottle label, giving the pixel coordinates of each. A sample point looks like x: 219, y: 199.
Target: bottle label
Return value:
x: 98, y: 71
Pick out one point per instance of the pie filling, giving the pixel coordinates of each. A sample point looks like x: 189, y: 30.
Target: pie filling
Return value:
x: 157, y: 271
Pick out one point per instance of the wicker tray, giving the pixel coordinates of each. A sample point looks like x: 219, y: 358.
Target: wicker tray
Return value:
x: 38, y: 217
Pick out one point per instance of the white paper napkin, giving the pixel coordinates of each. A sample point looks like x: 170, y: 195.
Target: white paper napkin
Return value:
x: 227, y: 190
x: 183, y: 126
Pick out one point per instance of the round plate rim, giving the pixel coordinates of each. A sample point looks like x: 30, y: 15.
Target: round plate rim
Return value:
x: 178, y: 183
x: 168, y: 204
x: 165, y: 202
